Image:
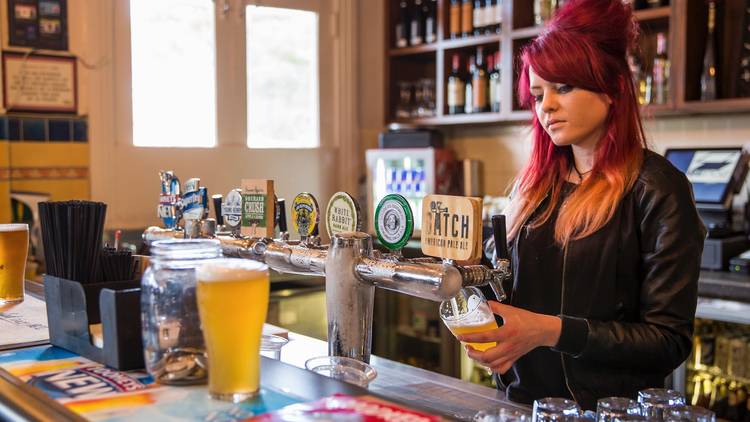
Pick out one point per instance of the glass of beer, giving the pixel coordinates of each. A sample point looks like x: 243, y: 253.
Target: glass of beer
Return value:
x: 468, y: 312
x: 232, y: 304
x: 14, y: 246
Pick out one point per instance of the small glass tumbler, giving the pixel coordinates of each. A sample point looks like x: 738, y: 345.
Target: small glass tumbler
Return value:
x: 689, y: 414
x: 655, y: 402
x: 612, y: 408
x: 270, y: 346
x: 343, y: 369
x: 502, y: 414
x: 555, y: 409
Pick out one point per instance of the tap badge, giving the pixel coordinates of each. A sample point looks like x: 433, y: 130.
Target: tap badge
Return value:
x: 394, y: 221
x: 305, y: 213
x: 231, y: 209
x: 342, y: 214
x: 169, y: 199
x: 194, y: 200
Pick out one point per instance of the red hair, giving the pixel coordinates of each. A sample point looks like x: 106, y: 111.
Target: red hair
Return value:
x: 585, y: 45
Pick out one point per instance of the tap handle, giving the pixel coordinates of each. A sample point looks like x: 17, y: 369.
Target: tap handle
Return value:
x: 217, y: 200
x: 498, y: 232
x: 281, y: 207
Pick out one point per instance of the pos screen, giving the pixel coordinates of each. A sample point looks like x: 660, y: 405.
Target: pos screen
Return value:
x: 711, y: 170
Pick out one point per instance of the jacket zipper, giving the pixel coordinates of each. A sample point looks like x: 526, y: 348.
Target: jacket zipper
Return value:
x: 562, y: 312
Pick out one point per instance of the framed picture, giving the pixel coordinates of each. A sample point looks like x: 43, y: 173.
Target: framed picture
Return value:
x: 41, y: 24
x: 39, y: 83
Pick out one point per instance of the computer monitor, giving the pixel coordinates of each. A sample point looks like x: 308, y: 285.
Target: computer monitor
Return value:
x: 715, y: 173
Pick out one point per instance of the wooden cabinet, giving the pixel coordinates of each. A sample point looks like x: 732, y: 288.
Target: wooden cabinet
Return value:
x: 683, y: 22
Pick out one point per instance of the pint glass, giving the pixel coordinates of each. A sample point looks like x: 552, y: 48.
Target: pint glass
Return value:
x: 14, y: 245
x: 468, y: 312
x: 232, y: 303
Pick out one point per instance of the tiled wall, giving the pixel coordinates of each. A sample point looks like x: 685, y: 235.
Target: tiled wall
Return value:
x: 43, y: 155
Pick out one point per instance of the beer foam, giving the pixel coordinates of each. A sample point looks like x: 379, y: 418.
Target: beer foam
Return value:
x: 230, y: 269
x: 14, y: 227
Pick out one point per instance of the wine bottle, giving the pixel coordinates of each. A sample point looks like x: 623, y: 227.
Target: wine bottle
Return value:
x: 456, y: 87
x: 417, y: 24
x: 478, y: 17
x: 402, y: 27
x: 430, y: 22
x: 708, y: 76
x: 489, y: 17
x: 468, y: 89
x: 661, y: 70
x: 467, y: 17
x: 498, y: 16
x: 479, y: 83
x: 455, y: 19
x: 493, y: 63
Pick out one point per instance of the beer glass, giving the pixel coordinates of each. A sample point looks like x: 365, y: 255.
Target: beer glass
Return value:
x: 14, y: 246
x: 270, y: 346
x: 468, y: 312
x: 502, y: 414
x: 343, y: 369
x: 656, y: 401
x: 232, y: 304
x: 613, y: 408
x: 555, y: 409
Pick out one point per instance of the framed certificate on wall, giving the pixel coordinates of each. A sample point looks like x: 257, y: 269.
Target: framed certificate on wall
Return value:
x: 39, y: 83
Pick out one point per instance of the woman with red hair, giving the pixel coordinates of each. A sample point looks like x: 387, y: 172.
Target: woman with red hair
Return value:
x: 605, y: 238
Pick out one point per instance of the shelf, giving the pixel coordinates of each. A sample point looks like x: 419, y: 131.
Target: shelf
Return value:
x: 524, y: 33
x: 417, y: 49
x: 729, y: 105
x: 663, y: 12
x: 409, y: 332
x: 455, y: 119
x: 471, y: 41
x: 654, y: 110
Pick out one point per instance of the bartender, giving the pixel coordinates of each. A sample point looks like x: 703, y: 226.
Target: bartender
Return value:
x: 604, y: 234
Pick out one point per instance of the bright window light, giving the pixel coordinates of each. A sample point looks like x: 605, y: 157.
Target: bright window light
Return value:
x: 174, y: 73
x: 282, y: 78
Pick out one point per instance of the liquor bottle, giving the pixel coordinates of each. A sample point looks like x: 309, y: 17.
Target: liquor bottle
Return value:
x: 655, y: 3
x: 542, y: 11
x: 479, y: 83
x: 468, y: 89
x: 661, y: 70
x: 417, y: 24
x: 430, y: 22
x: 467, y: 17
x: 708, y: 77
x: 489, y: 17
x: 493, y: 63
x: 402, y: 27
x: 456, y: 88
x: 455, y: 19
x: 478, y: 17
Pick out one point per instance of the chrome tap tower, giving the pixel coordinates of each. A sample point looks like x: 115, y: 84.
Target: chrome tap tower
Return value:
x: 353, y: 269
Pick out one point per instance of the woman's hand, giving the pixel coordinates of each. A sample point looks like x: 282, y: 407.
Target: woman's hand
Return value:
x: 522, y: 331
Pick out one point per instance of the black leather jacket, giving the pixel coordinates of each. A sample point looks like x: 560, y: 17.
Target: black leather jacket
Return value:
x: 629, y: 291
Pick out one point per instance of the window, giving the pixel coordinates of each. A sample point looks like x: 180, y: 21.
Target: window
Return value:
x: 282, y: 78
x: 173, y: 73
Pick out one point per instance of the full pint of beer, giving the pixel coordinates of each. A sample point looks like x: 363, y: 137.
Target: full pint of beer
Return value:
x: 232, y: 303
x: 14, y: 246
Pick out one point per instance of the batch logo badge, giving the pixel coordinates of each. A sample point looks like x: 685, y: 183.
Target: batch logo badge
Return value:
x: 342, y: 214
x: 394, y: 221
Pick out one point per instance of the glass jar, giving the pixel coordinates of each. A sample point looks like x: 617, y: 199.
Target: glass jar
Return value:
x: 173, y: 346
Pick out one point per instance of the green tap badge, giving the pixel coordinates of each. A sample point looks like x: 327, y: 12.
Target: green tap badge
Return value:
x: 394, y: 221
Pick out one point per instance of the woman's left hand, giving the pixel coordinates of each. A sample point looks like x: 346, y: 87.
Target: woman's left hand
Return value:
x: 522, y: 332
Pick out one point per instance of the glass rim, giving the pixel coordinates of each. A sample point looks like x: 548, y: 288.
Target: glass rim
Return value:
x: 460, y: 317
x: 13, y: 227
x: 367, y: 370
x: 660, y: 396
x: 616, y: 402
x: 176, y: 248
x: 272, y: 342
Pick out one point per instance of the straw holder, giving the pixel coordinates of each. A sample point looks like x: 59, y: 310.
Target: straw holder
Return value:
x: 72, y: 307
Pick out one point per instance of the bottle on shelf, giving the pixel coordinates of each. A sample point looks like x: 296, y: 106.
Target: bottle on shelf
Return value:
x: 478, y: 17
x: 655, y: 3
x: 467, y: 17
x: 708, y: 76
x: 417, y: 24
x: 468, y: 89
x: 430, y: 22
x: 489, y: 17
x: 661, y: 71
x: 402, y: 27
x: 454, y: 20
x: 456, y: 87
x: 542, y: 11
x: 493, y: 63
x: 498, y: 15
x: 479, y: 83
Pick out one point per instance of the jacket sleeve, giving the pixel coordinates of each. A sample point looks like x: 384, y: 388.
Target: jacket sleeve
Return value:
x: 671, y: 244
